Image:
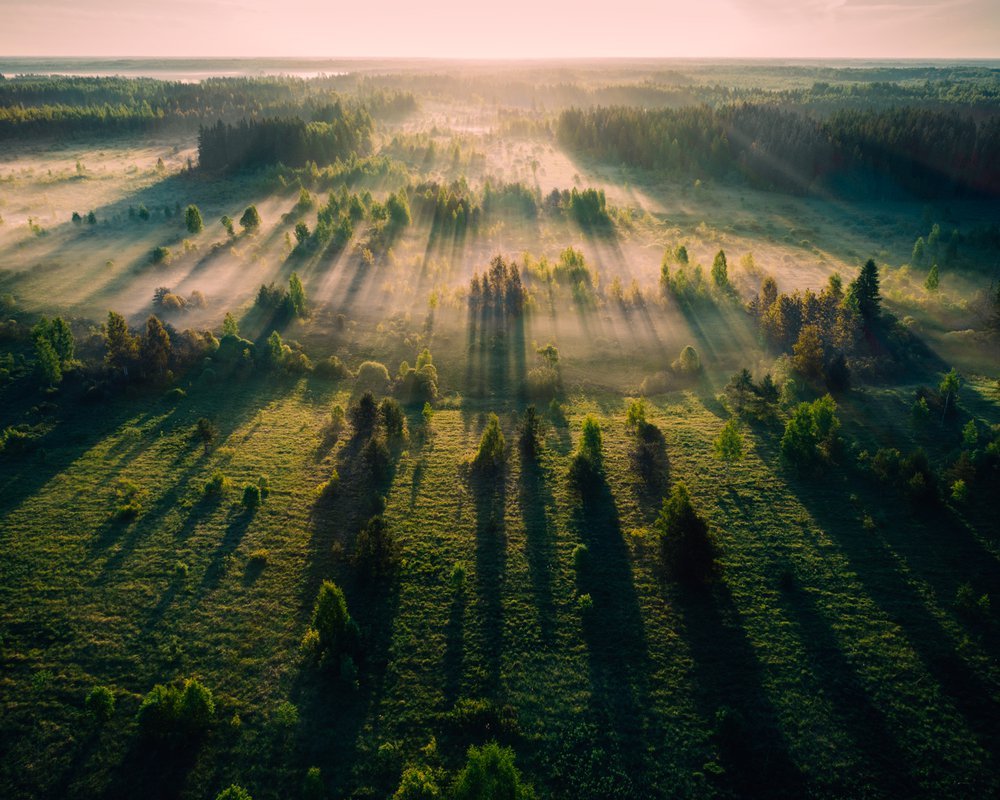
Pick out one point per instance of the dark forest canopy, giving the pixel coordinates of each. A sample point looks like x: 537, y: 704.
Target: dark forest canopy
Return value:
x: 291, y: 141
x: 928, y: 153
x: 39, y: 105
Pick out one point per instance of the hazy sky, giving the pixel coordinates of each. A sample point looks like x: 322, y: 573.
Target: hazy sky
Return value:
x: 502, y: 29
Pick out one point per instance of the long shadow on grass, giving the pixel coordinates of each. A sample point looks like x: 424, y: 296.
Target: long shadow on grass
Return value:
x: 652, y: 468
x: 535, y: 499
x: 489, y: 493
x: 729, y: 689
x: 882, y: 769
x: 918, y: 544
x: 616, y: 644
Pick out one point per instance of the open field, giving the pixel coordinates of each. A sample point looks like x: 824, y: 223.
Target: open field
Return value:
x: 845, y: 645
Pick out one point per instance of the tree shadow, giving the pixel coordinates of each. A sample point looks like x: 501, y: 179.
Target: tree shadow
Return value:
x: 652, y: 468
x: 535, y: 498
x: 616, y: 639
x: 751, y: 749
x: 489, y: 493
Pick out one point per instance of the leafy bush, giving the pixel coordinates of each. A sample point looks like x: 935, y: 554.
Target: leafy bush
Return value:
x: 372, y: 376
x: 392, y: 419
x: 160, y: 255
x: 180, y: 709
x: 364, y: 414
x: 686, y: 547
x: 233, y: 792
x: 251, y: 496
x: 729, y: 444
x: 129, y: 497
x: 490, y: 774
x: 688, y: 362
x: 333, y: 369
x: 100, y: 703
x: 216, y: 484
x: 531, y: 432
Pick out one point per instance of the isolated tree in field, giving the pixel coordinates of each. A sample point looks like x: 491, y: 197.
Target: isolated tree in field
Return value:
x: 688, y: 361
x: 100, y: 703
x: 375, y: 550
x: 121, y: 347
x: 919, y: 252
x: 176, y: 711
x: 206, y: 431
x: 297, y: 295
x: 492, y: 450
x: 720, y: 270
x: 864, y: 291
x: 811, y: 433
x: 686, y: 548
x: 933, y: 279
x: 588, y: 461
x: 364, y: 414
x: 250, y: 221
x: 635, y: 417
x: 227, y: 223
x: 490, y: 774
x: 949, y: 387
x: 154, y: 348
x: 229, y: 325
x: 729, y: 444
x: 531, y: 433
x: 192, y: 219
x: 740, y: 389
x: 333, y: 633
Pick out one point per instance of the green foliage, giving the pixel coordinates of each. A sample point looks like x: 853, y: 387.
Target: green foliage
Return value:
x: 230, y: 326
x: 729, y: 444
x: 48, y: 362
x: 333, y: 635
x: 418, y: 783
x: 192, y: 219
x: 176, y: 711
x: 531, y: 432
x: 376, y: 553
x: 233, y: 792
x: 250, y: 221
x: 216, y: 484
x: 492, y: 453
x: 863, y: 293
x: 206, y: 431
x: 100, y: 703
x: 129, y: 498
x: 687, y: 551
x: 312, y: 785
x: 393, y: 419
x: 251, y: 496
x: 121, y: 347
x: 490, y: 774
x: 588, y: 461
x: 372, y: 376
x: 688, y: 362
x: 635, y: 417
x: 720, y: 271
x: 161, y: 255
x: 810, y: 436
x: 950, y: 384
x: 297, y: 295
x: 933, y: 279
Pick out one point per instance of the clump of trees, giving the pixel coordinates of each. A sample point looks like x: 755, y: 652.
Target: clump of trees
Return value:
x: 490, y: 772
x: 745, y: 396
x: 376, y: 553
x: 54, y: 348
x: 687, y: 550
x: 177, y: 711
x: 498, y: 294
x: 418, y: 384
x: 810, y: 438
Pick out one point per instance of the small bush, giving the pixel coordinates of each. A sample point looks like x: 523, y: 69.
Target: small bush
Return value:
x: 458, y: 572
x: 372, y: 376
x: 333, y: 369
x: 688, y: 362
x: 392, y: 419
x: 233, y: 792
x: 100, y: 703
x: 489, y: 772
x: 364, y: 414
x: 588, y: 464
x: 251, y: 496
x: 375, y: 551
x: 333, y: 633
x: 729, y: 444
x: 216, y: 485
x: 312, y: 785
x: 129, y: 497
x: 161, y: 255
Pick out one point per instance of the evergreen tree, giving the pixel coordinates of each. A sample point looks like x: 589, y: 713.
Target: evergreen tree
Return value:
x: 864, y: 291
x: 193, y: 220
x: 250, y: 221
x: 121, y: 347
x: 933, y: 279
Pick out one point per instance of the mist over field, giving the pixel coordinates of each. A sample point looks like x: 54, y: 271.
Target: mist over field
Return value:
x: 428, y: 428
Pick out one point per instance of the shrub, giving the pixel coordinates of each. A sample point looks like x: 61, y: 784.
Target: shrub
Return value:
x: 233, y: 792
x: 312, y: 785
x: 635, y: 417
x: 688, y: 362
x: 492, y: 452
x: 490, y: 773
x: 333, y: 369
x: 160, y: 255
x: 372, y: 376
x: 128, y: 500
x: 959, y: 491
x: 100, y: 703
x: 418, y: 783
x: 250, y: 221
x: 458, y: 573
x: 192, y: 219
x: 216, y: 484
x: 378, y: 459
x: 581, y: 562
x: 251, y: 496
x: 375, y: 550
x: 686, y: 548
x: 176, y: 710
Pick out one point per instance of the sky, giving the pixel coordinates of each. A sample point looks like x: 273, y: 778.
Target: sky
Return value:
x: 921, y: 29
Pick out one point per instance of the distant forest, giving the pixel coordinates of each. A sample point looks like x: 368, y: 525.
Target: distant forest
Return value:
x: 928, y: 153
